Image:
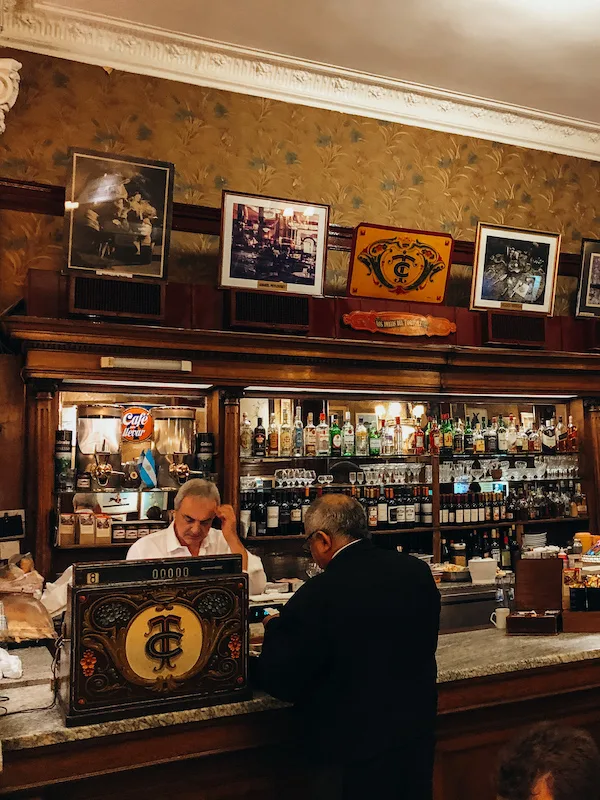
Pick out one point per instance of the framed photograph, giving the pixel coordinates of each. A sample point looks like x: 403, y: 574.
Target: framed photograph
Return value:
x: 272, y: 244
x: 588, y: 295
x: 118, y: 214
x: 515, y: 270
x: 399, y: 264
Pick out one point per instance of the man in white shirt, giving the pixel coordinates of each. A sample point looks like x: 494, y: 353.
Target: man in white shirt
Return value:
x: 197, y: 504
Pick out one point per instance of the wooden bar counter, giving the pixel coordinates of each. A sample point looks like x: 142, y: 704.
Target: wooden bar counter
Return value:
x: 490, y: 685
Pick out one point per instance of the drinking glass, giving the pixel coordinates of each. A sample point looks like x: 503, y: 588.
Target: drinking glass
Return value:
x: 322, y: 479
x: 328, y: 479
x: 352, y: 478
x: 311, y: 475
x: 360, y: 477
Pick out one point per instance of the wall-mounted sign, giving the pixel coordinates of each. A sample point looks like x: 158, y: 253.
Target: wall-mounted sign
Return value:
x: 137, y: 424
x: 399, y: 324
x: 399, y: 264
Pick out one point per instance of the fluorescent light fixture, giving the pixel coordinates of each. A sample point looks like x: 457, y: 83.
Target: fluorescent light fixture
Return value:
x: 146, y: 384
x: 288, y: 212
x: 71, y: 205
x: 403, y: 393
x: 110, y: 362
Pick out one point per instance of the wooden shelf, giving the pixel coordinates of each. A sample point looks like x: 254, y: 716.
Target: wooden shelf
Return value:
x: 510, y: 523
x: 390, y: 531
x: 297, y: 459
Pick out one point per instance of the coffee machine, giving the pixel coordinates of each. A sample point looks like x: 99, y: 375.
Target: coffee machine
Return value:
x: 174, y: 429
x: 99, y: 445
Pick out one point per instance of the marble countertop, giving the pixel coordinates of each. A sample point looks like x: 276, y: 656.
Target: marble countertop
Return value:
x: 461, y: 656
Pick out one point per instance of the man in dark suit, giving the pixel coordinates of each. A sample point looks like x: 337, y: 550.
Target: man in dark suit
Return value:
x: 354, y: 650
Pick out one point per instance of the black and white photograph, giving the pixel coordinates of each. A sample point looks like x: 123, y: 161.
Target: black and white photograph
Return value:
x: 588, y: 295
x: 118, y: 214
x: 515, y: 269
x: 273, y: 244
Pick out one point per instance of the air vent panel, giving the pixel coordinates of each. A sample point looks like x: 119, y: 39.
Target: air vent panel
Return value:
x: 113, y: 297
x: 514, y: 329
x: 269, y: 311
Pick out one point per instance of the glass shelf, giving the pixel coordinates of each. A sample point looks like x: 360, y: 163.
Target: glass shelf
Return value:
x: 509, y: 523
x: 296, y: 459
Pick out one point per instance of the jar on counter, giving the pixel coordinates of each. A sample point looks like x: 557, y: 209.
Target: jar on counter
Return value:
x: 118, y: 534
x: 131, y: 533
x: 458, y: 554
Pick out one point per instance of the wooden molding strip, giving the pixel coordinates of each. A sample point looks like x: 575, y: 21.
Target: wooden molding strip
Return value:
x: 40, y: 198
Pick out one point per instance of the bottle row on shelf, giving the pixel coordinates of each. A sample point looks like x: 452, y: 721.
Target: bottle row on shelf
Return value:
x: 502, y: 547
x: 391, y: 437
x: 552, y: 502
x: 279, y: 513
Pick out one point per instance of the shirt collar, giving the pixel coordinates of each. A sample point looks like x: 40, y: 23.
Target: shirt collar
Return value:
x: 173, y: 543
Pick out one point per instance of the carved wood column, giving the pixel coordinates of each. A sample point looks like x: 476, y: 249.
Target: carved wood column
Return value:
x: 9, y: 87
x: 42, y: 422
x: 590, y: 441
x: 231, y: 447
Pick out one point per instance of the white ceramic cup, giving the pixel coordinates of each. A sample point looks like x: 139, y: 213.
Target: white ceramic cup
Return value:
x: 499, y: 616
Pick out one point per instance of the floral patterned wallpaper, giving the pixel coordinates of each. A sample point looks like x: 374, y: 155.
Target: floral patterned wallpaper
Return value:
x: 365, y: 169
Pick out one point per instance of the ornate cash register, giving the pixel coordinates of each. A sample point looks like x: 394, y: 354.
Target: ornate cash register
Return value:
x: 146, y: 637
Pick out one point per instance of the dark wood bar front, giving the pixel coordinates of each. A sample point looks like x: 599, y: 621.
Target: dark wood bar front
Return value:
x: 490, y: 686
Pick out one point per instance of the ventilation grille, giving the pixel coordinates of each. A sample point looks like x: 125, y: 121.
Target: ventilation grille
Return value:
x: 514, y: 329
x: 116, y: 298
x: 269, y: 311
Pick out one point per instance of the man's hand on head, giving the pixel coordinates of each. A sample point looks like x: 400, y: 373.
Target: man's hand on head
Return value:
x: 228, y: 520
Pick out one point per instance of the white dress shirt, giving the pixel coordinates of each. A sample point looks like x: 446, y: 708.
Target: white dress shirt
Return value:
x: 165, y: 544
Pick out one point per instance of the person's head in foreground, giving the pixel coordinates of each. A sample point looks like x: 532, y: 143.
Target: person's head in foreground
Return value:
x: 196, y: 505
x: 332, y: 522
x: 549, y: 762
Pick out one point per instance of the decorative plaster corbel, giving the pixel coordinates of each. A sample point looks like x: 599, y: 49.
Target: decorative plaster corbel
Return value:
x: 9, y: 87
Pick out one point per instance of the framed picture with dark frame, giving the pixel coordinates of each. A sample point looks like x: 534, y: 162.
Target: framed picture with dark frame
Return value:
x: 118, y: 214
x: 588, y: 294
x: 515, y: 270
x: 271, y: 244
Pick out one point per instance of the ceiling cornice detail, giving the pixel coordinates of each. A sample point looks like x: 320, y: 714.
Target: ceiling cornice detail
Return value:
x: 97, y: 39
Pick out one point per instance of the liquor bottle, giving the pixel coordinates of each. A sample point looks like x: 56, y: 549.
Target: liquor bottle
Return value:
x: 444, y: 513
x: 245, y: 516
x: 273, y: 439
x: 467, y: 510
x: 273, y: 515
x: 511, y: 435
x: 480, y: 508
x: 452, y: 510
x: 426, y: 508
x: 445, y: 552
x: 505, y: 555
x: 362, y: 439
x: 398, y: 438
x: 488, y: 508
x: 335, y: 437
x: 323, y: 444
x: 285, y: 515
x: 388, y: 437
x: 495, y: 508
x: 486, y: 548
x: 348, y: 436
x: 478, y: 440
x: 502, y: 436
x: 572, y: 437
x: 581, y: 500
x: 419, y: 440
x: 400, y: 509
x: 468, y: 448
x: 427, y: 432
x: 306, y: 503
x: 502, y: 502
x: 374, y: 441
x: 522, y: 442
x: 296, y: 515
x: 534, y: 441
x: 286, y: 443
x: 245, y: 437
x: 310, y: 437
x: 392, y: 509
x: 382, y: 509
x: 561, y: 436
x: 460, y: 511
x: 409, y: 509
x: 447, y: 436
x: 259, y: 439
x: 549, y: 438
x: 491, y: 437
x: 458, y: 440
x: 476, y: 545
x: 417, y: 505
x: 435, y: 439
x: 495, y: 546
x: 371, y: 511
x: 260, y: 513
x: 298, y: 434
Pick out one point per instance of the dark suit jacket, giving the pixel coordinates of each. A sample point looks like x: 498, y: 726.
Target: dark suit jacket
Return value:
x: 354, y: 650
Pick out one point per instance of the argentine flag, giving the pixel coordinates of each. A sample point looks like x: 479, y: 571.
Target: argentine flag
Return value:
x: 148, y: 469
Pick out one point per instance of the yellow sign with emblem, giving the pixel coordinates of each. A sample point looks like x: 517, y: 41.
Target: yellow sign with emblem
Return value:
x: 399, y: 264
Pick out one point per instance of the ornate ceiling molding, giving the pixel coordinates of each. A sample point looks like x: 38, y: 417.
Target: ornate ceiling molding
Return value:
x: 101, y: 40
x: 9, y: 87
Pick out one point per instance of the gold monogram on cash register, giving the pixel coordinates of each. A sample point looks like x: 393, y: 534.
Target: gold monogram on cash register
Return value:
x: 145, y: 637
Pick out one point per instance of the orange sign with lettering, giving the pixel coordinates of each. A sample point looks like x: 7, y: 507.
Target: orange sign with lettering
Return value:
x: 137, y: 424
x: 399, y: 324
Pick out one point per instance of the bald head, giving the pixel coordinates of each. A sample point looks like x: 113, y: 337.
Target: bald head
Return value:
x: 339, y: 516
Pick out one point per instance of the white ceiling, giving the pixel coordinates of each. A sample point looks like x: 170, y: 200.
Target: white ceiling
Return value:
x: 517, y: 71
x: 541, y: 54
